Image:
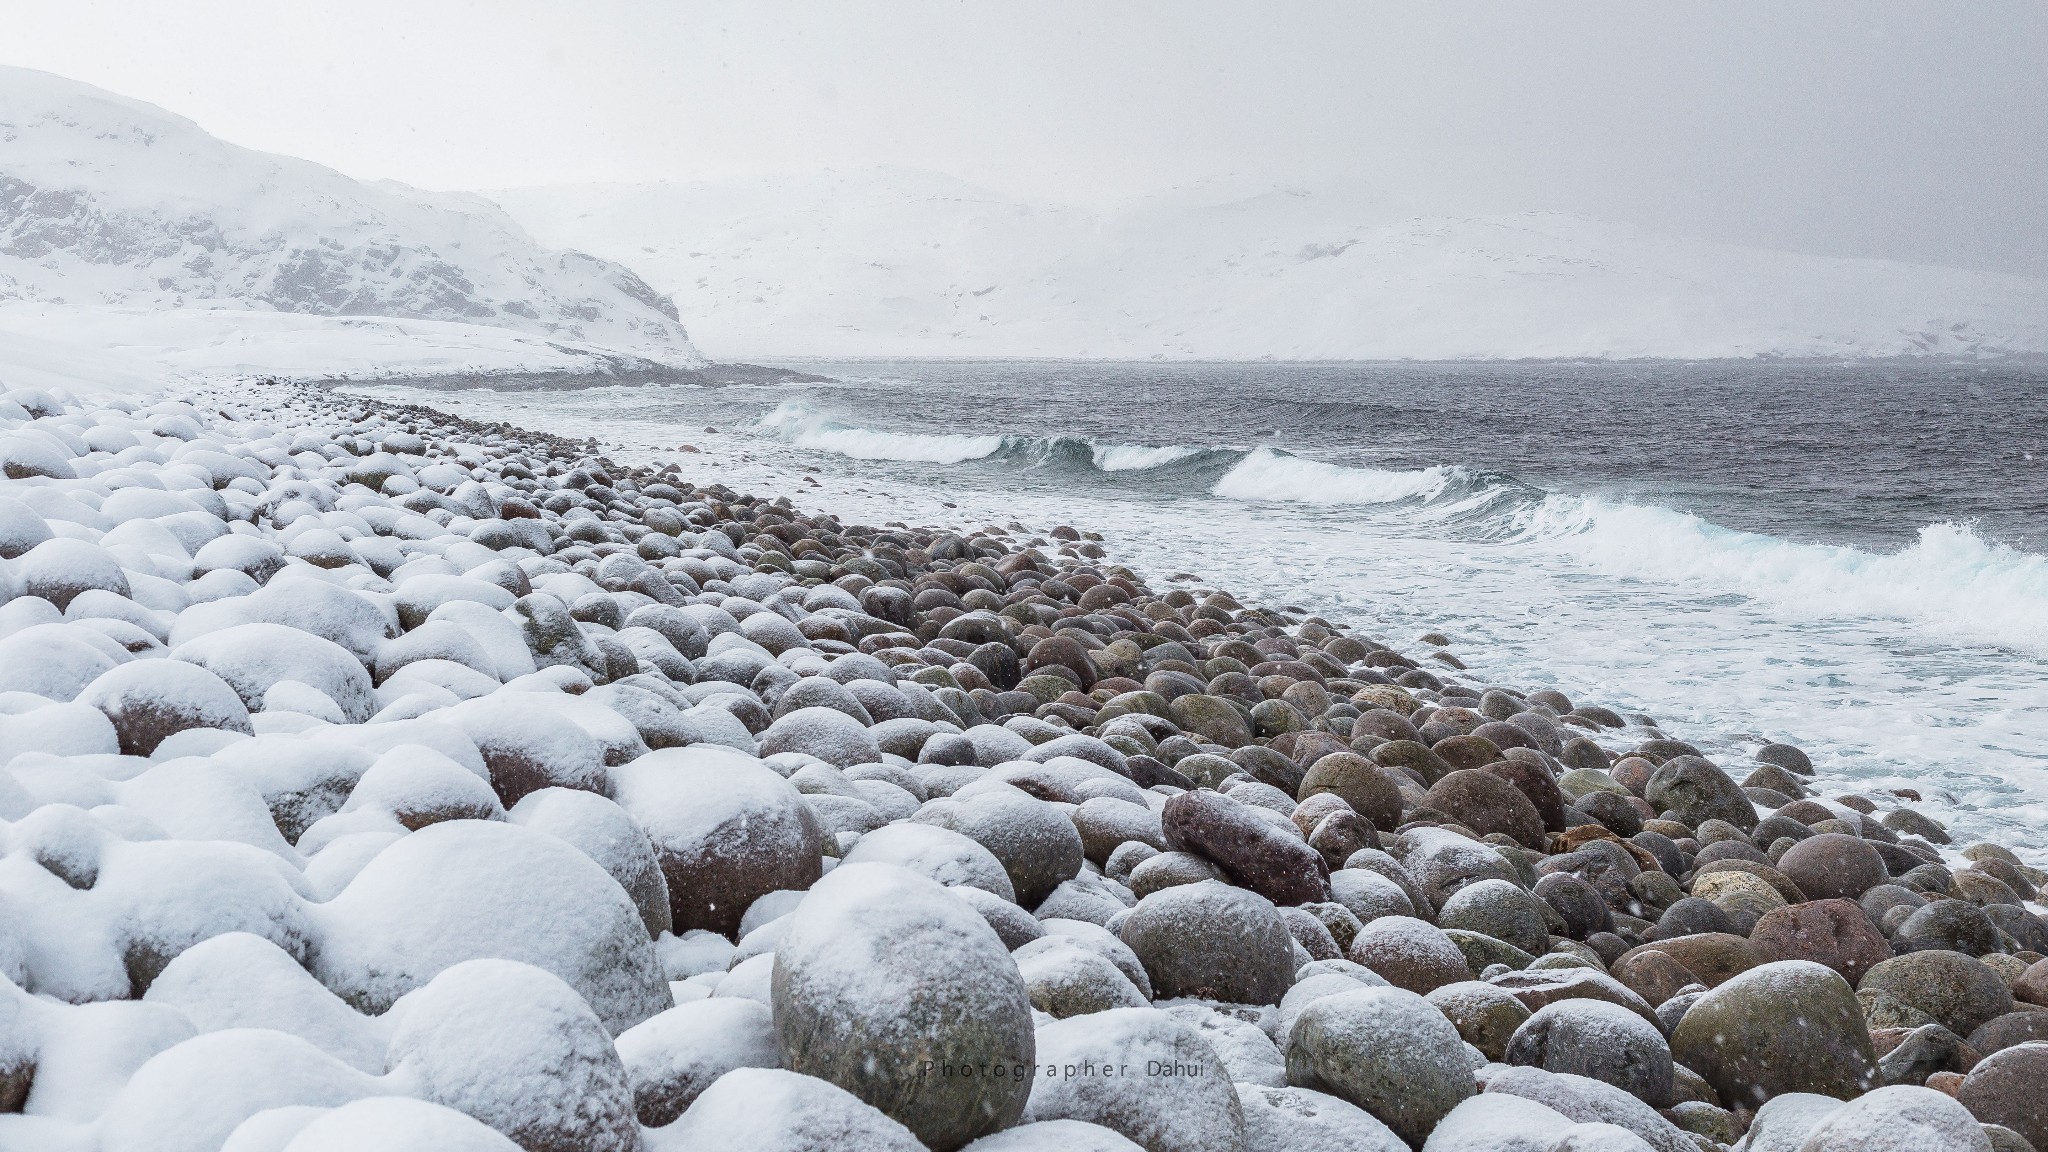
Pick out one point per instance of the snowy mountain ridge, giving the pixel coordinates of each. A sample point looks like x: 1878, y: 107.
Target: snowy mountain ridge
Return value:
x: 107, y: 201
x: 894, y: 262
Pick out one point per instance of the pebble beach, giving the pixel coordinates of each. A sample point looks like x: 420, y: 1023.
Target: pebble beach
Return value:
x: 374, y: 777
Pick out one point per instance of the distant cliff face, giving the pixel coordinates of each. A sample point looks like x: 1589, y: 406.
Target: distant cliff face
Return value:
x: 105, y: 200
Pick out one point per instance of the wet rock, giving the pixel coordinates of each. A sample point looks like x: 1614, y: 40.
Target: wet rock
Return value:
x: 1715, y: 957
x: 1911, y: 1056
x: 1212, y: 941
x: 2005, y: 1089
x: 1834, y: 932
x: 1359, y: 783
x: 1744, y: 897
x: 1253, y: 852
x: 1412, y: 755
x: 1787, y: 1026
x: 2032, y: 985
x: 1211, y: 718
x: 1487, y: 804
x: 1578, y: 903
x: 1062, y: 652
x: 2025, y: 1026
x: 1957, y: 992
x: 1833, y: 866
x: 1785, y: 756
x: 1654, y: 975
x: 1947, y: 925
x: 1535, y: 783
x: 1696, y: 791
x: 1466, y: 752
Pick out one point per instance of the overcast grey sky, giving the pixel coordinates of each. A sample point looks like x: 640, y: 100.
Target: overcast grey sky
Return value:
x: 1910, y: 130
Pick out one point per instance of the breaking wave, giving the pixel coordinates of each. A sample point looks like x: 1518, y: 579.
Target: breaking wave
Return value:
x: 1950, y: 580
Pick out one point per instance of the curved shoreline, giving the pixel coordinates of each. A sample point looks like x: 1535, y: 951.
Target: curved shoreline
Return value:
x: 676, y: 638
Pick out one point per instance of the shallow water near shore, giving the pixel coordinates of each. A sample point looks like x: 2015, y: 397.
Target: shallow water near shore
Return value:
x: 1853, y: 557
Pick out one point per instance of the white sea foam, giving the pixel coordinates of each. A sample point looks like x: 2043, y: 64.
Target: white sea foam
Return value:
x: 1268, y: 475
x: 803, y: 427
x: 1951, y: 582
x: 1138, y: 457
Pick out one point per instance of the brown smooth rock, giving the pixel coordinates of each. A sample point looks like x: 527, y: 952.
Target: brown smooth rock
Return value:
x: 1311, y: 810
x: 1340, y: 834
x: 1831, y: 932
x: 2032, y: 986
x: 2027, y: 1026
x: 1538, y: 785
x: 1653, y: 975
x: 1065, y: 652
x: 1833, y: 866
x: 1488, y: 804
x: 2011, y: 1088
x: 1712, y: 956
x: 1254, y: 853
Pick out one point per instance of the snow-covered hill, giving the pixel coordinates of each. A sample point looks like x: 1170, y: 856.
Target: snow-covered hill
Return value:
x: 106, y: 201
x: 895, y: 262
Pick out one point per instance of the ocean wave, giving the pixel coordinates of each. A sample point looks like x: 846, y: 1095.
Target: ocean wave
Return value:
x: 1264, y: 474
x: 801, y: 426
x: 1949, y: 580
x: 1139, y: 457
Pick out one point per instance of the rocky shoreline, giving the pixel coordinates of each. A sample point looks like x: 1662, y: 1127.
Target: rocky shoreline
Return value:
x: 372, y: 774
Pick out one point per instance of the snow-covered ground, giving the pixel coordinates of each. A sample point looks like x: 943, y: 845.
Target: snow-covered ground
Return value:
x: 891, y: 262
x: 154, y: 236
x: 44, y: 345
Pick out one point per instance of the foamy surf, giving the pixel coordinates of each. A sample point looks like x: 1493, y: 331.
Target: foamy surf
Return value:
x: 803, y: 427
x: 1265, y: 474
x: 1139, y: 457
x: 1951, y: 583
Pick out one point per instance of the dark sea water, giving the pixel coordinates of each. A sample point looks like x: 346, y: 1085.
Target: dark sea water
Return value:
x: 1848, y: 556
